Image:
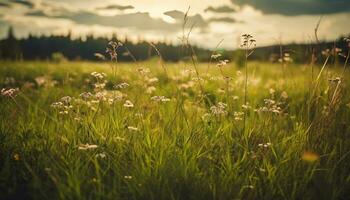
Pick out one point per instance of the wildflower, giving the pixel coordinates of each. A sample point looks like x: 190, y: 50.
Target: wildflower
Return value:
x: 143, y: 71
x: 98, y: 76
x: 160, y: 99
x: 150, y: 90
x: 101, y: 155
x: 246, y: 106
x: 284, y: 95
x: 112, y: 49
x: 128, y: 104
x: 197, y: 79
x: 235, y: 98
x: 100, y: 86
x: 66, y: 99
x: 122, y: 85
x: 132, y: 128
x: 86, y: 95
x: 266, y: 145
x: 215, y: 56
x: 187, y: 72
x: 222, y: 63
x: 206, y: 117
x: 12, y: 92
x: 152, y: 80
x: 238, y: 116
x: 99, y: 56
x: 219, y: 109
x: 335, y: 80
x: 87, y: 146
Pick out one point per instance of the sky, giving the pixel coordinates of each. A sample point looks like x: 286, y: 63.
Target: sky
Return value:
x: 269, y: 21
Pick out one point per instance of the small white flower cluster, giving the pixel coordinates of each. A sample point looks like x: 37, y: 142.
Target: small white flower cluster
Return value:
x: 45, y: 81
x: 246, y: 106
x: 64, y: 105
x: 87, y: 146
x: 238, y: 116
x: 132, y: 128
x: 99, y: 76
x: 285, y: 58
x: 215, y: 56
x: 271, y: 106
x: 187, y: 72
x: 121, y: 85
x: 219, y: 109
x: 160, y: 99
x: 11, y: 92
x: 128, y: 104
x: 222, y: 63
x: 100, y: 81
x: 148, y: 81
x: 266, y: 145
x: 144, y: 71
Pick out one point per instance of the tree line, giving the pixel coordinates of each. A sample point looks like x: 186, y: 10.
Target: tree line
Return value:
x: 64, y: 46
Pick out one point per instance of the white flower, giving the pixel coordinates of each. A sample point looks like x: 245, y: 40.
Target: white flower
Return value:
x: 98, y: 75
x: 152, y: 80
x: 128, y: 104
x: 101, y: 155
x: 131, y: 128
x: 150, y: 89
x: 238, y: 116
x: 122, y: 85
x: 87, y: 146
x: 12, y: 92
x: 215, y: 56
x: 219, y: 109
x: 85, y: 95
x: 160, y: 98
x: 284, y: 95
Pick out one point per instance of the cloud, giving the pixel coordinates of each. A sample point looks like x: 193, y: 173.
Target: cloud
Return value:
x: 220, y: 9
x: 196, y: 20
x: 116, y: 7
x: 37, y: 13
x: 224, y: 20
x: 23, y: 3
x: 138, y: 20
x: 297, y: 7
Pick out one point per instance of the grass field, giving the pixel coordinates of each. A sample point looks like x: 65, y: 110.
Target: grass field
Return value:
x: 140, y: 131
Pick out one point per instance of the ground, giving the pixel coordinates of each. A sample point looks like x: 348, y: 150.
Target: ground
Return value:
x: 151, y: 130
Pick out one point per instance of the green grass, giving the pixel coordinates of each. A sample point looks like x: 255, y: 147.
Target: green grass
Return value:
x: 181, y: 149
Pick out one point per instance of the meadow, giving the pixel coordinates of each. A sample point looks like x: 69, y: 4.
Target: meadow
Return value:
x: 153, y: 130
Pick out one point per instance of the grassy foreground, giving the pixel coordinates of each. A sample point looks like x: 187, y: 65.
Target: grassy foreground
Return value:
x: 139, y: 132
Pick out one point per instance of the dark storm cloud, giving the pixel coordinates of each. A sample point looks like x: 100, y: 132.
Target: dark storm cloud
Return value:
x: 116, y: 7
x: 297, y: 7
x: 23, y: 2
x: 196, y: 20
x: 220, y: 9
